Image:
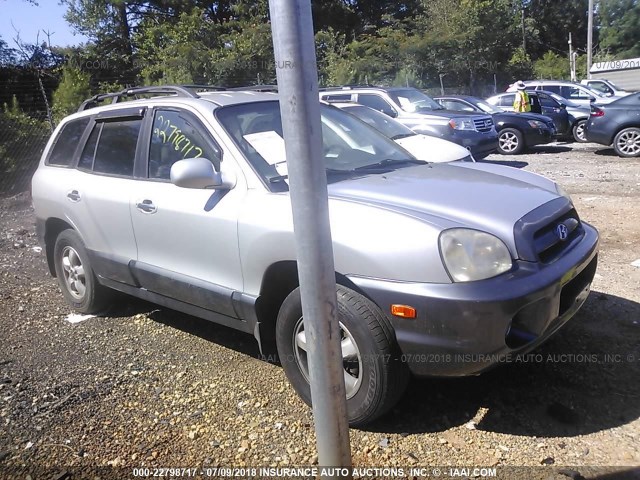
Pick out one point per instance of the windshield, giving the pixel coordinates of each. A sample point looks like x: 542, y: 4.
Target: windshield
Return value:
x: 412, y: 100
x: 381, y: 122
x: 348, y: 144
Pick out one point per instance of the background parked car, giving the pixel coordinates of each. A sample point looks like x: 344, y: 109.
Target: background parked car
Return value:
x: 423, y: 147
x: 617, y: 123
x: 516, y: 131
x: 422, y: 114
x: 568, y: 117
x: 605, y: 87
x: 580, y: 94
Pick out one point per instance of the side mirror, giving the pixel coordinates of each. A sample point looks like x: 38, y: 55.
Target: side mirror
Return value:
x: 199, y: 173
x: 391, y: 113
x: 592, y: 99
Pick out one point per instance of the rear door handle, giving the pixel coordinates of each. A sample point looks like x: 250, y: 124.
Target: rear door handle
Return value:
x: 73, y: 196
x: 146, y: 206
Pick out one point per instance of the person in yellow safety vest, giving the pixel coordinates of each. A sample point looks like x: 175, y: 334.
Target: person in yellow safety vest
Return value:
x: 522, y: 103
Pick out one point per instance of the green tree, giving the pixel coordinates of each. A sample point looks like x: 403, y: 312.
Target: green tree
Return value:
x: 620, y: 27
x: 71, y: 92
x: 553, y: 66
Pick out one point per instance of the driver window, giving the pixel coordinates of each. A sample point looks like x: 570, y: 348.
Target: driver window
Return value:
x: 176, y: 137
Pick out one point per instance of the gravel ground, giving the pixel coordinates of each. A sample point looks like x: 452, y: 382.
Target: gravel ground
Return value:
x: 149, y: 387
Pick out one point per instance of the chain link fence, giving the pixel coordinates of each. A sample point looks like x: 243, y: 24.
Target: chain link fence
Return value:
x: 24, y: 132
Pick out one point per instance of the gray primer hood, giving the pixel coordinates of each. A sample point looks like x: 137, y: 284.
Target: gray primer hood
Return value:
x: 485, y: 199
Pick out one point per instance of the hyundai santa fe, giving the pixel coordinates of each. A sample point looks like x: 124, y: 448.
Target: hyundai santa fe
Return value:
x: 182, y: 199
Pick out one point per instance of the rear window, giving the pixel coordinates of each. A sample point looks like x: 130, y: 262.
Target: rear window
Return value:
x: 65, y: 145
x: 111, y: 148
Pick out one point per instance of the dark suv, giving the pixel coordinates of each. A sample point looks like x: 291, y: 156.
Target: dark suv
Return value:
x: 422, y: 114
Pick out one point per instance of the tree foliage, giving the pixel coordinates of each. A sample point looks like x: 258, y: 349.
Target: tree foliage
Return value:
x: 620, y: 27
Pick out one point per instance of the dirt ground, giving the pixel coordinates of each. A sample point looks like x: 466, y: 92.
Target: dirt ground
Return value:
x: 149, y: 387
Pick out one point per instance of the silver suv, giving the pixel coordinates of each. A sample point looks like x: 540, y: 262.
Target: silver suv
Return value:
x: 182, y: 199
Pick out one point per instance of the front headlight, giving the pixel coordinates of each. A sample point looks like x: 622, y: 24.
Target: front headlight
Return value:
x: 536, y: 124
x: 462, y: 124
x: 473, y: 255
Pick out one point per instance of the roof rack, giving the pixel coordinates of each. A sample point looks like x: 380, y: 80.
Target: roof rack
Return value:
x: 256, y: 88
x: 185, y: 91
x: 350, y: 86
x: 130, y: 92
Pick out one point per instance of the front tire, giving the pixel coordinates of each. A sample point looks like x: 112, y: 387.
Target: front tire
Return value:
x: 578, y: 131
x: 627, y: 142
x: 510, y: 141
x: 375, y: 378
x: 76, y: 278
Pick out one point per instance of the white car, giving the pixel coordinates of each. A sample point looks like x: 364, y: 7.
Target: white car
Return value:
x: 605, y: 87
x: 423, y: 147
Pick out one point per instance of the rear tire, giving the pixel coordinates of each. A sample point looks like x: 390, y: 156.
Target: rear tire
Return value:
x: 76, y: 278
x: 510, y: 141
x: 627, y: 142
x: 375, y: 378
x: 578, y: 131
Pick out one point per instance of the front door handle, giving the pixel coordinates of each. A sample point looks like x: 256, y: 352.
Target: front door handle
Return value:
x: 146, y: 206
x: 73, y: 196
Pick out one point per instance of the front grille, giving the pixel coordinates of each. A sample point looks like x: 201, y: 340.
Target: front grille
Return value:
x: 548, y: 245
x: 483, y: 124
x: 536, y: 234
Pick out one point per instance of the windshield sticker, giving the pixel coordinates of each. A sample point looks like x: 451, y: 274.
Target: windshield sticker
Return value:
x: 269, y: 145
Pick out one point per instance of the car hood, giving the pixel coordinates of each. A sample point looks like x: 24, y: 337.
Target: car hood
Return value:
x: 433, y: 149
x: 482, y: 196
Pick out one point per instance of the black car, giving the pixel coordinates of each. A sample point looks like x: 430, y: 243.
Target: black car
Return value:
x: 555, y: 106
x: 557, y: 113
x: 617, y: 123
x: 516, y: 131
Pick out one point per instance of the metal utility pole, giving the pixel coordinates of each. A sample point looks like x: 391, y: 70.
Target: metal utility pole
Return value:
x: 296, y: 70
x: 524, y: 36
x: 590, y: 39
x: 572, y: 64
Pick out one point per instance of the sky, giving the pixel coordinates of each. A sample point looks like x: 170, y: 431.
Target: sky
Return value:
x: 30, y: 19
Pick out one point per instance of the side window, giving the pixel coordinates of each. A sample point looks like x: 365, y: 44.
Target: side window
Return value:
x: 336, y: 98
x: 507, y: 100
x: 65, y: 145
x: 553, y: 88
x: 377, y: 103
x: 89, y: 151
x: 601, y: 87
x: 116, y: 149
x: 547, y: 102
x: 175, y: 137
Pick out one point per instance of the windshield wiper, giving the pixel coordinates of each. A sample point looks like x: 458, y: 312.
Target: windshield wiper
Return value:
x: 390, y: 162
x: 403, y: 135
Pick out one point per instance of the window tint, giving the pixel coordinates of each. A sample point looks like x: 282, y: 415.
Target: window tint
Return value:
x: 67, y: 141
x: 507, y: 100
x: 176, y: 137
x: 337, y: 98
x: 547, y: 101
x: 375, y: 102
x: 552, y: 88
x: 116, y: 149
x: 89, y: 151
